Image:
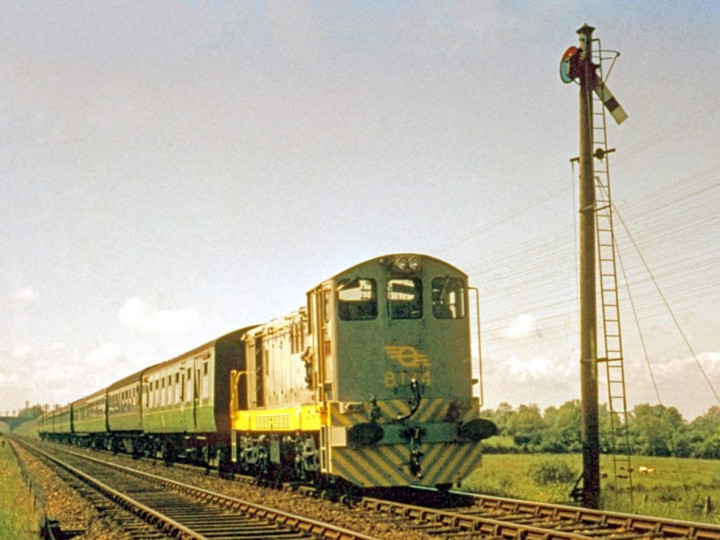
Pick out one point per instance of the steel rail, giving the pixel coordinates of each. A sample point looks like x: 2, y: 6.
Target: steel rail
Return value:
x: 455, y: 521
x: 169, y: 525
x: 638, y: 524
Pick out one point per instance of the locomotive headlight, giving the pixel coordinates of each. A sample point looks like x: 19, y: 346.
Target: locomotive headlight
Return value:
x: 414, y: 263
x: 401, y: 264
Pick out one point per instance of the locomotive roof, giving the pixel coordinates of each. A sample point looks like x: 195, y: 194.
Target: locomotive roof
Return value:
x: 391, y: 256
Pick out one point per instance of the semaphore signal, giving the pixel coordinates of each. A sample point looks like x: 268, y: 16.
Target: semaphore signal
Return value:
x: 572, y: 65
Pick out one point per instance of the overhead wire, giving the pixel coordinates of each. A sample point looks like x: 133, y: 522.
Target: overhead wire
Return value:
x: 673, y: 445
x: 670, y: 310
x: 533, y: 261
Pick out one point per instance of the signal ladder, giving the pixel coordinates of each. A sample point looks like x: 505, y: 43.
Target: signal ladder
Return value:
x: 607, y: 277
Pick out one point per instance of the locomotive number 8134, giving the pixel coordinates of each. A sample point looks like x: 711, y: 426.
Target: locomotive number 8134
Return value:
x: 371, y: 383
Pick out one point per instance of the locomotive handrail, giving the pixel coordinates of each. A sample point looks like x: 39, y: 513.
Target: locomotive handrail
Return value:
x: 479, y: 346
x: 414, y: 404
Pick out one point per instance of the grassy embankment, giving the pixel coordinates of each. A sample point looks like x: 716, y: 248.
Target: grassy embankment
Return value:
x: 18, y: 516
x: 677, y: 488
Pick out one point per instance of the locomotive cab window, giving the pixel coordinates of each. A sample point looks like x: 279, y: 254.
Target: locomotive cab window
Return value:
x: 404, y: 298
x: 357, y: 299
x: 448, y: 298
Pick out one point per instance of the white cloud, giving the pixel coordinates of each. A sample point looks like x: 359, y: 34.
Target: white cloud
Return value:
x: 22, y: 352
x: 537, y: 368
x: 137, y: 315
x: 108, y: 353
x: 523, y: 326
x: 26, y: 294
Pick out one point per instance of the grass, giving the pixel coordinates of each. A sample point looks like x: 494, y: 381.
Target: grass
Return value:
x: 678, y: 488
x: 18, y: 517
x: 27, y: 429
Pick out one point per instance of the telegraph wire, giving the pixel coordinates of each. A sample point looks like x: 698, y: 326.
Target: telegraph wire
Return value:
x: 672, y: 129
x: 667, y: 306
x: 673, y: 445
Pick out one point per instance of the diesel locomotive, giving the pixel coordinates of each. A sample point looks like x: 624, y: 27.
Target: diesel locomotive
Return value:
x: 370, y: 384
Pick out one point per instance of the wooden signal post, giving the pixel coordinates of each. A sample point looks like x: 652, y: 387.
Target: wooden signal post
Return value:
x: 588, y: 312
x: 577, y: 66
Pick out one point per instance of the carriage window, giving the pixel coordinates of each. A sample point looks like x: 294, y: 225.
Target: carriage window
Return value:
x: 448, y: 298
x: 405, y: 298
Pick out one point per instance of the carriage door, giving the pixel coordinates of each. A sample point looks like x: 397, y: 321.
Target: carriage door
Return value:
x: 195, y: 391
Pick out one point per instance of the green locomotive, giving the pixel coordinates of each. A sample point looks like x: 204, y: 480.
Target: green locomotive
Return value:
x: 371, y: 383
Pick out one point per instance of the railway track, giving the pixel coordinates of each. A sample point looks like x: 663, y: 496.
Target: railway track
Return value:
x: 150, y: 506
x: 496, y: 517
x: 479, y: 516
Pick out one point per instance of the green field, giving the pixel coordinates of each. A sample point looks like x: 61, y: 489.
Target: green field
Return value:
x: 18, y: 518
x: 678, y: 488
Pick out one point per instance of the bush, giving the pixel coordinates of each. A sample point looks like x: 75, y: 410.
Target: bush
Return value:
x: 552, y: 471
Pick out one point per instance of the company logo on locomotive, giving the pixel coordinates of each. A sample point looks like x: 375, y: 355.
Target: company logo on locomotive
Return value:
x: 407, y: 356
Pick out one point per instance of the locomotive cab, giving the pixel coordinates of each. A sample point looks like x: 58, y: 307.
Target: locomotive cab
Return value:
x: 393, y: 373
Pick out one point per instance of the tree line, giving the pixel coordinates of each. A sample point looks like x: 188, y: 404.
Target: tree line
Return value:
x: 653, y: 430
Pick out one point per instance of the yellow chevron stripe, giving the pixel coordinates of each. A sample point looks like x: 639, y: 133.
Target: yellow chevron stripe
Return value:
x: 433, y: 458
x: 369, y: 468
x: 394, y: 408
x: 458, y: 458
x: 472, y: 462
x: 346, y: 468
x: 443, y: 463
x: 432, y: 410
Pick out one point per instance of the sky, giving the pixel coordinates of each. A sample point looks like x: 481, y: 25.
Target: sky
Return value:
x: 171, y: 171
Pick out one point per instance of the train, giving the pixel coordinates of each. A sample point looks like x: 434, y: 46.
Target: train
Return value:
x: 369, y: 385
